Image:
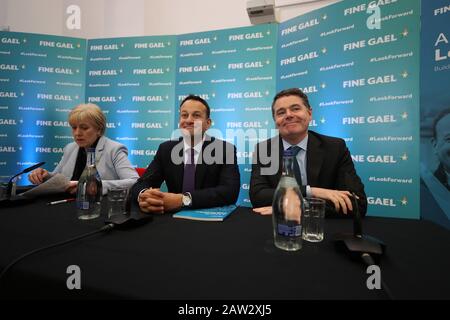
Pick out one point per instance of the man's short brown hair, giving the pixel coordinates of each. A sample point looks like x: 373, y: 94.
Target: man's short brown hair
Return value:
x: 291, y: 92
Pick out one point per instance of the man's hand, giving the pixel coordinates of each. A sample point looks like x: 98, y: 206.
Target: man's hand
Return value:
x: 263, y: 210
x: 341, y: 199
x: 37, y: 176
x: 172, y: 201
x: 151, y: 201
x: 156, y: 201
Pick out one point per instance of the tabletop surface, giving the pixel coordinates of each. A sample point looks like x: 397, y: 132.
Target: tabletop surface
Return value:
x: 170, y: 258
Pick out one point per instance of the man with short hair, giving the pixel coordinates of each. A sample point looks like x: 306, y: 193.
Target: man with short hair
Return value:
x: 326, y: 168
x: 200, y: 171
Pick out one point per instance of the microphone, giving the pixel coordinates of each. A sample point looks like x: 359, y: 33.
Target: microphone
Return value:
x: 362, y: 247
x: 132, y: 217
x: 124, y: 221
x: 357, y: 245
x: 6, y: 194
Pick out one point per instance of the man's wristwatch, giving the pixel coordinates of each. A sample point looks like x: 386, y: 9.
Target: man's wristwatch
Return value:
x: 187, y: 199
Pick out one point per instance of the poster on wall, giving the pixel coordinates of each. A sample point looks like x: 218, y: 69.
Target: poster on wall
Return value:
x: 435, y: 112
x: 359, y: 65
x: 42, y: 77
x: 234, y: 71
x: 133, y: 80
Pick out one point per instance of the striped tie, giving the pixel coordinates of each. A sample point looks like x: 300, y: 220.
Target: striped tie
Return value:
x: 298, y: 176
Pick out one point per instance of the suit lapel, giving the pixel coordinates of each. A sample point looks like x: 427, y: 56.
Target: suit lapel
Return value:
x: 70, y: 161
x: 200, y: 168
x: 99, y: 149
x: 178, y: 169
x: 314, y: 159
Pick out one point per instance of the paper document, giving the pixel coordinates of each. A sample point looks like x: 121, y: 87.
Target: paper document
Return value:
x: 56, y: 184
x: 210, y: 214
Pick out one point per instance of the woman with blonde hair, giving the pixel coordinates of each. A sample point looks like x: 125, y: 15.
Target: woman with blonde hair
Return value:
x: 88, y: 125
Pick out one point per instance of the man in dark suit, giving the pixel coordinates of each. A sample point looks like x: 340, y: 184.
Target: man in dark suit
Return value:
x: 326, y: 168
x: 200, y: 171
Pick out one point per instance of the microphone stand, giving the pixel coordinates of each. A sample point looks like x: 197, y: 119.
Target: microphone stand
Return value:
x: 10, y: 189
x: 360, y: 246
x: 357, y: 244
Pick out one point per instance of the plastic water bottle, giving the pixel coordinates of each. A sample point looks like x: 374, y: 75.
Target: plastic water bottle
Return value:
x: 288, y: 208
x: 89, y: 191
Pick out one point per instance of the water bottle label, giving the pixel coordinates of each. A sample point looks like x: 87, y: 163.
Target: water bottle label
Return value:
x: 289, y: 231
x: 83, y: 205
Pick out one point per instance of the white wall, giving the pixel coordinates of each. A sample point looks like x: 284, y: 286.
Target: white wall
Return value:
x: 34, y: 16
x: 289, y: 12
x: 125, y: 18
x: 92, y: 18
x: 3, y: 12
x: 178, y: 17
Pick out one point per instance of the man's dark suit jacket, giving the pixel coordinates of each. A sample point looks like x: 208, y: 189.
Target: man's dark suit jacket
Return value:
x: 217, y: 183
x: 430, y: 209
x: 328, y: 165
x: 442, y: 176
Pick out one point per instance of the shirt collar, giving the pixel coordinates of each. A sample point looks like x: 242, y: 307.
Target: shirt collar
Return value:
x: 302, y: 144
x: 197, y: 147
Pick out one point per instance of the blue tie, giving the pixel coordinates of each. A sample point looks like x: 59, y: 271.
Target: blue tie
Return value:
x: 189, y: 173
x: 298, y: 176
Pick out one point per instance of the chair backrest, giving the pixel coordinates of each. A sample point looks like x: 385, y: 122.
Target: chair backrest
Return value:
x: 140, y: 171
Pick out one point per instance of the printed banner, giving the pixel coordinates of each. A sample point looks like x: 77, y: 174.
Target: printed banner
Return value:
x: 133, y: 81
x: 234, y: 71
x: 41, y: 78
x: 435, y: 112
x: 359, y: 65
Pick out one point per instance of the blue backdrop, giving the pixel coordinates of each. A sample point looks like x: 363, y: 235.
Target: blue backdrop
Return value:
x: 435, y: 97
x: 363, y: 85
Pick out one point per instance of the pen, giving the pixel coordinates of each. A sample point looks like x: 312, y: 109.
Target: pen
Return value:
x: 60, y: 201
